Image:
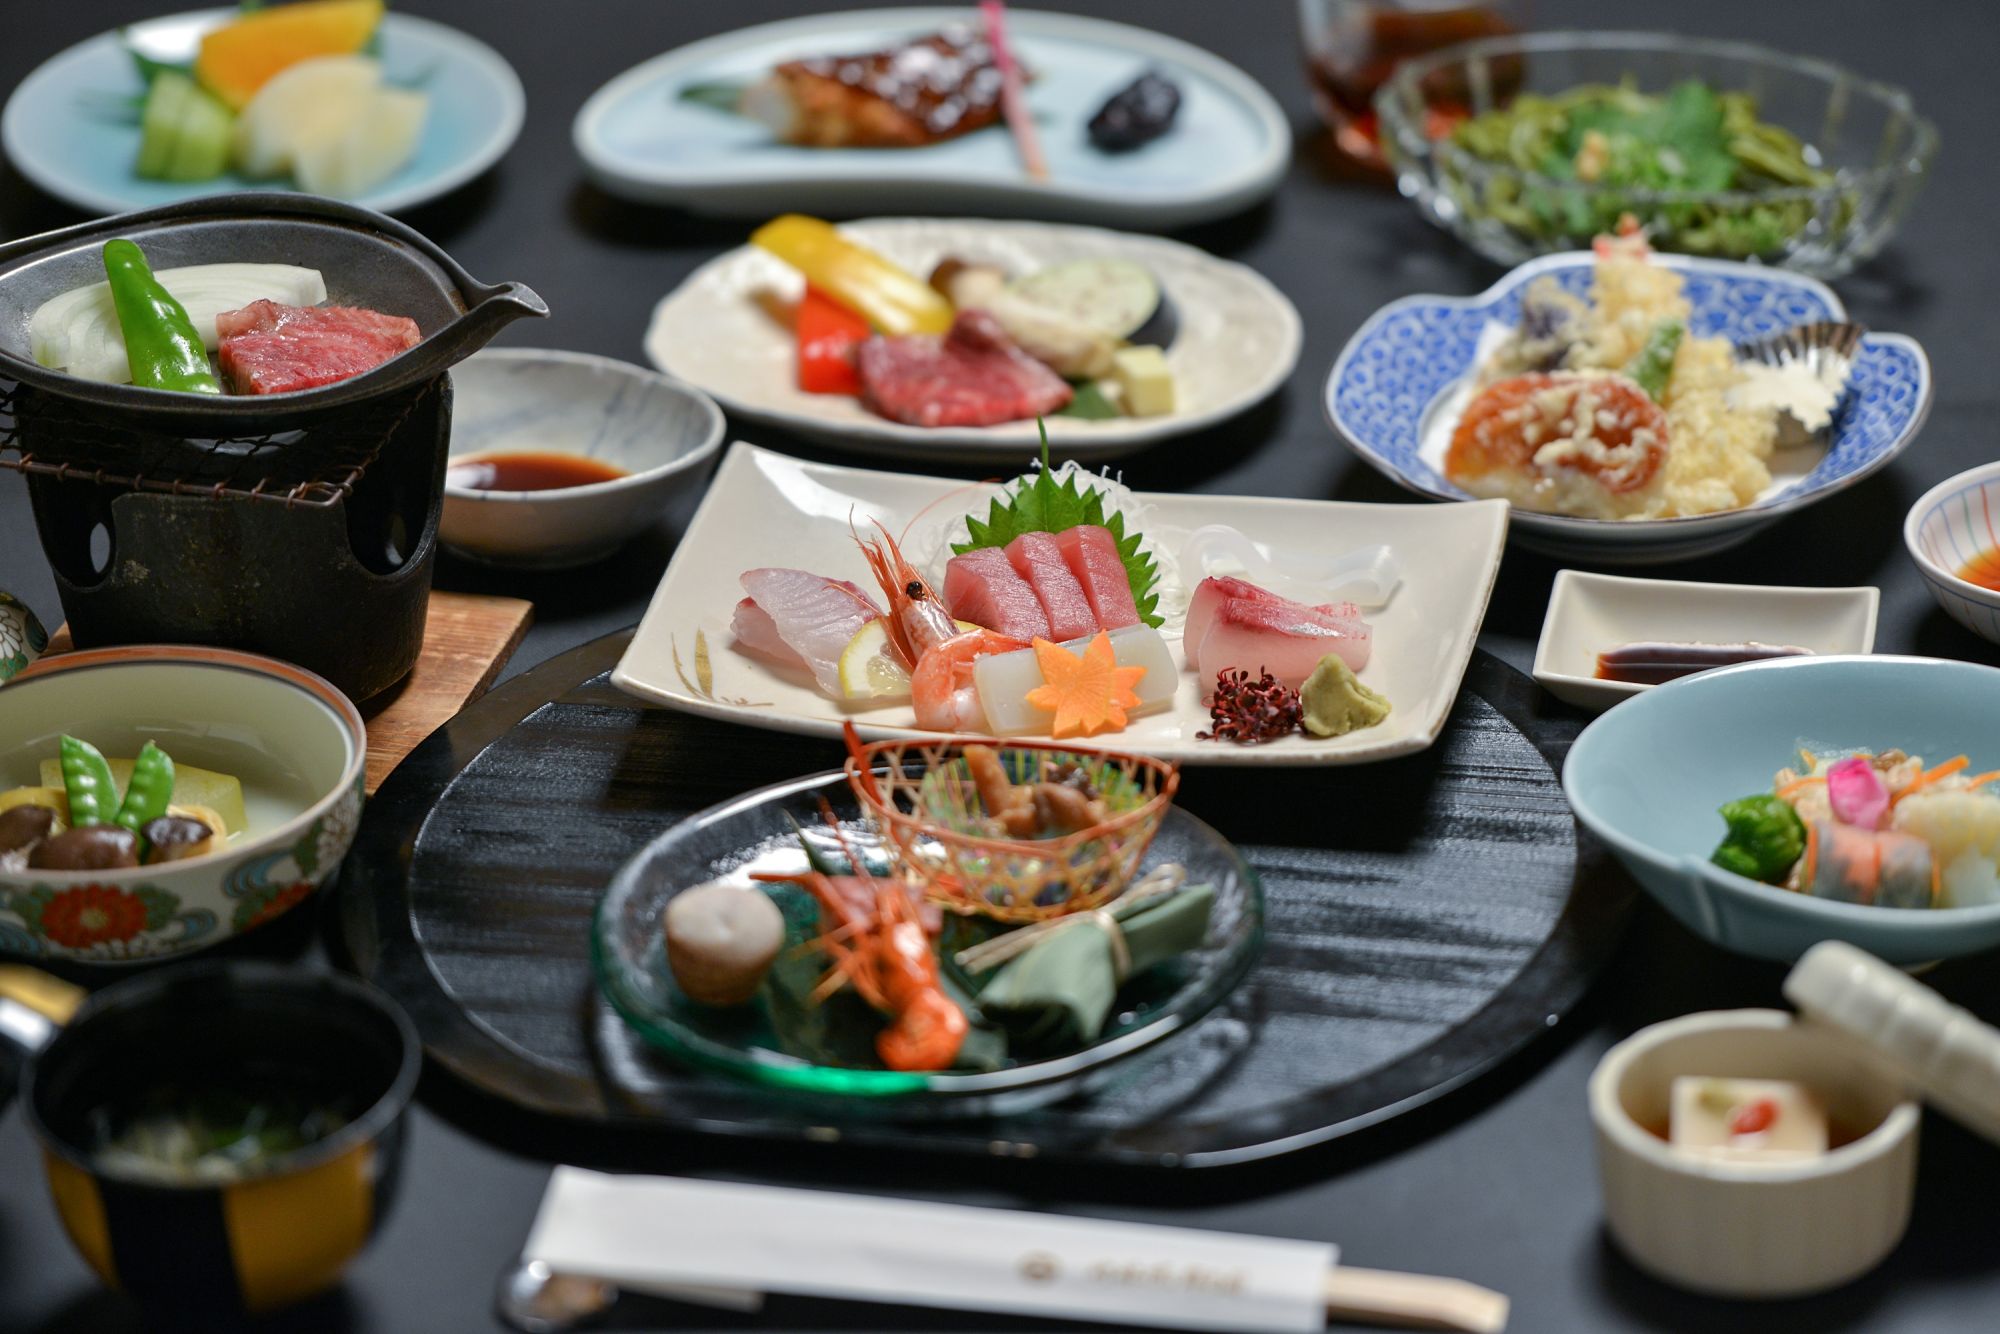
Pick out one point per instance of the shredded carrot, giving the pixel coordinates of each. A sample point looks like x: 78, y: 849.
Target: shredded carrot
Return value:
x: 1800, y: 785
x: 1980, y: 780
x: 1811, y: 867
x: 1929, y: 776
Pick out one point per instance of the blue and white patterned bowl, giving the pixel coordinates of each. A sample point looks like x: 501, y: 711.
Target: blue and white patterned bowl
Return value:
x: 1956, y: 520
x: 1405, y: 361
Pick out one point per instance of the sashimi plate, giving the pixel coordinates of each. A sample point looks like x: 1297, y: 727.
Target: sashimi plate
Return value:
x: 641, y: 139
x: 1400, y: 385
x: 766, y: 508
x: 63, y: 131
x: 1238, y: 339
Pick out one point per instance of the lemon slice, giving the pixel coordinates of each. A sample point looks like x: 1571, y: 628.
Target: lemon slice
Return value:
x: 869, y: 668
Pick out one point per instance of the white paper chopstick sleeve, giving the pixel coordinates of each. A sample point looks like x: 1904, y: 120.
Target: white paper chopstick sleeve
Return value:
x: 654, y: 1230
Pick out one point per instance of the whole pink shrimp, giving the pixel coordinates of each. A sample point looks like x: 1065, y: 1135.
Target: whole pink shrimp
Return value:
x: 938, y: 652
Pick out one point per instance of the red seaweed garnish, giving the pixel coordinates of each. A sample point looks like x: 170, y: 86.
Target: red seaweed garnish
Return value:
x: 1248, y: 712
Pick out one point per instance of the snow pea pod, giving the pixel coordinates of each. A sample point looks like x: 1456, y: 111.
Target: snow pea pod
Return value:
x: 148, y: 792
x: 161, y: 344
x: 93, y: 796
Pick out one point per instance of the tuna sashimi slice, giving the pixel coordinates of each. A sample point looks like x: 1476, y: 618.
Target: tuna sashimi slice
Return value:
x: 1213, y: 591
x: 982, y: 587
x: 1038, y: 558
x: 1283, y: 638
x: 814, y: 616
x: 1091, y: 553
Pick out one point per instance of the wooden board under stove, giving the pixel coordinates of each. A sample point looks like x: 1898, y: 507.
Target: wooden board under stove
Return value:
x: 468, y: 638
x: 1426, y: 917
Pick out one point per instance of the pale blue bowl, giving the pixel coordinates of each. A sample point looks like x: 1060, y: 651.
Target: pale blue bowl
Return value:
x: 1954, y: 522
x: 1648, y: 776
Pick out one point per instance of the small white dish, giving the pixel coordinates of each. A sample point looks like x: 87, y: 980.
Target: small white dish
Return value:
x: 1952, y: 524
x: 1755, y: 1230
x: 1228, y: 148
x: 1238, y: 340
x: 1589, y: 613
x: 663, y: 434
x: 766, y: 508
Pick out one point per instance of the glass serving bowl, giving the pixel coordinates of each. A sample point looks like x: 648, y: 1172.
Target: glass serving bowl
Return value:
x: 828, y: 1050
x: 1866, y: 134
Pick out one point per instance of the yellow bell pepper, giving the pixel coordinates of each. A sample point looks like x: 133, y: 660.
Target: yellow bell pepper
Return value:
x: 890, y: 299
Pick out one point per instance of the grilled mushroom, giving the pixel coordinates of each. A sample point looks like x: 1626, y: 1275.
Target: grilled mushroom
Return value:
x: 98, y: 847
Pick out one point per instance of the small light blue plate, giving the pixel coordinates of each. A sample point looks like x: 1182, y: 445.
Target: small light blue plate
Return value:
x: 1648, y: 776
x: 63, y: 128
x: 1230, y: 144
x: 1410, y: 356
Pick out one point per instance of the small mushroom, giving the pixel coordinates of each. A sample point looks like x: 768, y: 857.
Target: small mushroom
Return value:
x: 97, y: 847
x: 24, y: 826
x: 175, y: 837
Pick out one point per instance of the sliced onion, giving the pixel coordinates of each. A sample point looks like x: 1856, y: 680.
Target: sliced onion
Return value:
x: 78, y: 331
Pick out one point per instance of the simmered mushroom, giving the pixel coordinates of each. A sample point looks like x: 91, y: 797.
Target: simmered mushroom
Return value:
x: 174, y: 837
x: 24, y: 826
x: 98, y: 847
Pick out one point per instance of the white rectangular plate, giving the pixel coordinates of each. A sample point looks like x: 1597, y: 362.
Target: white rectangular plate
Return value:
x: 766, y: 508
x: 1589, y: 613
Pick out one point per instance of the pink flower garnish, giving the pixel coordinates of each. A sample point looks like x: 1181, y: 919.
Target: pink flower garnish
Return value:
x: 1856, y: 793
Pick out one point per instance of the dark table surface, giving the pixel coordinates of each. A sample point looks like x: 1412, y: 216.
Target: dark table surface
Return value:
x: 1494, y: 1184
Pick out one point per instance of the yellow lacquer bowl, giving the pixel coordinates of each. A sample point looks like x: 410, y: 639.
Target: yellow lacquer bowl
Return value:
x: 287, y: 1228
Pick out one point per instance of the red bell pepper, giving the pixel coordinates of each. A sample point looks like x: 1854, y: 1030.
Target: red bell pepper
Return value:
x: 828, y: 334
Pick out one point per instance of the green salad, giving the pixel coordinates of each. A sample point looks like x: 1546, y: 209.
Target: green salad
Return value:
x: 1591, y: 144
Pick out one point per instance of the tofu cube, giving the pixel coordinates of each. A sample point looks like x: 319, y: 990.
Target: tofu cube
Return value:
x: 1746, y: 1120
x: 1145, y: 383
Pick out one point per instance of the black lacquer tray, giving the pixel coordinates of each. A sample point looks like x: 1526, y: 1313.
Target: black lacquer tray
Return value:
x: 1427, y: 917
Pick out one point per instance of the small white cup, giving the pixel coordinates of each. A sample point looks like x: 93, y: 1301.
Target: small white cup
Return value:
x: 1735, y: 1229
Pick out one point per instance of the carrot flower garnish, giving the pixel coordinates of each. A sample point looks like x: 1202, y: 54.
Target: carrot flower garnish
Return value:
x: 1089, y: 694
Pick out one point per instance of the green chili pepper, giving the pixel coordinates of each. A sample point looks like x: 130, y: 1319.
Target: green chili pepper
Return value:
x: 147, y: 794
x: 93, y: 796
x: 161, y: 344
x: 1765, y: 838
x: 1654, y: 365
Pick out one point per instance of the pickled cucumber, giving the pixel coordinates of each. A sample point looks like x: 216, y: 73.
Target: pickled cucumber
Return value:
x: 184, y: 132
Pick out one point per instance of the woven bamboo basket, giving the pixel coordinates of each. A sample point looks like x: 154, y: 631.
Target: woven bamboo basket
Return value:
x: 919, y: 794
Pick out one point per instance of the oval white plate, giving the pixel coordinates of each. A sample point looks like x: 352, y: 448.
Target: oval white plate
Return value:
x: 1227, y: 149
x: 1238, y: 339
x: 85, y: 159
x: 766, y: 508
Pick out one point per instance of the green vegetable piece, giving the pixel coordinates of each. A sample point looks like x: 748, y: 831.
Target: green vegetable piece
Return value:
x: 1089, y: 404
x: 1765, y: 839
x: 161, y: 344
x: 721, y: 95
x: 93, y: 797
x: 147, y: 792
x: 1654, y: 365
x: 1041, y: 506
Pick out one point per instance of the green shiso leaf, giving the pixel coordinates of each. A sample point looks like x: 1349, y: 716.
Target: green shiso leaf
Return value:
x: 1089, y: 404
x: 720, y: 95
x: 1043, y: 506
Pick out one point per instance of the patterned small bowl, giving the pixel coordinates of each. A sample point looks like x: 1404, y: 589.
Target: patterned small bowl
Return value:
x: 296, y: 742
x: 1387, y: 394
x: 1955, y: 523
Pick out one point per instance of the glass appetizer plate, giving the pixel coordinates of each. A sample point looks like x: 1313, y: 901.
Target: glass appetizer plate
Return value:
x: 783, y: 1045
x: 640, y: 136
x: 1400, y: 385
x: 1866, y: 137
x: 61, y: 129
x: 1237, y: 339
x: 766, y: 508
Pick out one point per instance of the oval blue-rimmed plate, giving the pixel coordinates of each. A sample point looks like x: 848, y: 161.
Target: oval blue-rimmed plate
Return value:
x: 640, y: 139
x: 1398, y: 384
x: 63, y: 130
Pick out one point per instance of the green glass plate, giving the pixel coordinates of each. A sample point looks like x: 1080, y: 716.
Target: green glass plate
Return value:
x: 783, y: 1042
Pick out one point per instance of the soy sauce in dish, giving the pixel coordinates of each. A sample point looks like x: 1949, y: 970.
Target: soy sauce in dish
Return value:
x: 542, y: 471
x: 1655, y: 663
x: 1983, y: 569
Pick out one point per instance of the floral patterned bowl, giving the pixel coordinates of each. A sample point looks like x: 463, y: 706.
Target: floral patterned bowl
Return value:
x: 297, y: 743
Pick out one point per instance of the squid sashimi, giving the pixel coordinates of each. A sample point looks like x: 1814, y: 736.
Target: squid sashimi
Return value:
x: 983, y: 587
x: 1038, y: 558
x: 1091, y: 553
x: 815, y: 617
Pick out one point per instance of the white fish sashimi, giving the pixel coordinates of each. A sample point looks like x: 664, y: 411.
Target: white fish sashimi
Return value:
x: 816, y: 617
x: 757, y: 633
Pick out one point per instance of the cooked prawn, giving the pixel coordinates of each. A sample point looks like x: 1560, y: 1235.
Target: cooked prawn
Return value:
x: 941, y: 685
x: 917, y: 620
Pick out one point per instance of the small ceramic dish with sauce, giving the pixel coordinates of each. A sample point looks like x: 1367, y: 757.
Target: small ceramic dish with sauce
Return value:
x: 1677, y: 626
x: 1954, y: 537
x: 560, y: 458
